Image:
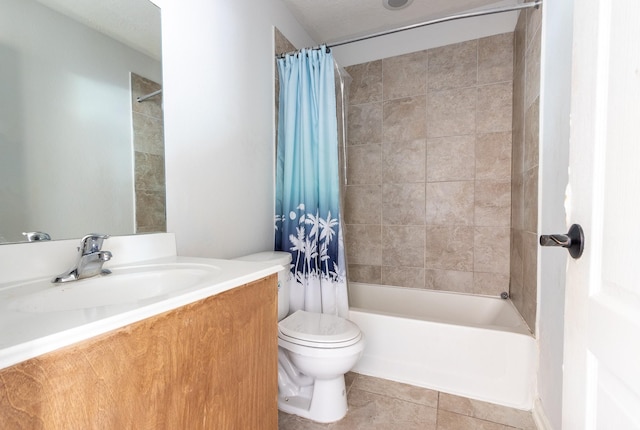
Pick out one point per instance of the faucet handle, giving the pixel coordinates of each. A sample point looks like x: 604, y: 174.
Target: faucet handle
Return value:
x: 92, y: 243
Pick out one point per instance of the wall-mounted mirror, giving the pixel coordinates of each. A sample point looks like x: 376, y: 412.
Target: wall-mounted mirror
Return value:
x: 78, y: 153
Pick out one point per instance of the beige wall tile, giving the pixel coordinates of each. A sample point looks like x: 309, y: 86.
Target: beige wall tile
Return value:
x: 364, y: 164
x: 410, y: 277
x: 517, y: 155
x: 148, y: 134
x: 366, y: 84
x: 403, y: 161
x: 366, y: 274
x: 491, y: 284
x: 492, y: 204
x: 453, y: 66
x: 524, y: 199
x: 519, y: 41
x: 532, y: 72
x: 450, y: 203
x: 365, y: 124
x: 533, y: 22
x: 491, y: 249
x: 148, y: 142
x: 404, y: 119
x: 404, y: 75
x: 449, y: 280
x: 449, y: 248
x: 141, y: 86
x: 493, y: 156
x: 472, y: 112
x: 530, y: 196
x: 150, y: 211
x: 496, y: 112
x: 149, y: 172
x: 531, y: 135
x: 403, y: 245
x: 518, y: 120
x: 516, y: 294
x: 495, y: 58
x: 451, y: 158
x: 364, y: 244
x: 516, y: 280
x: 403, y: 204
x: 530, y: 268
x: 363, y: 204
x: 451, y: 112
x: 517, y: 202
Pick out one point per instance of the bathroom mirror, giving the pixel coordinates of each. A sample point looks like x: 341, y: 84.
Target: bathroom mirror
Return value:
x: 68, y: 165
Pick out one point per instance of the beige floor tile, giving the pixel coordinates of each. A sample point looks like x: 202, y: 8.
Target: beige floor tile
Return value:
x: 397, y: 390
x: 452, y: 421
x: 487, y: 411
x: 375, y: 411
x: 378, y: 404
x: 292, y: 422
x: 349, y: 379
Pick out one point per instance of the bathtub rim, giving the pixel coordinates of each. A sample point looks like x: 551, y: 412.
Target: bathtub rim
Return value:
x: 522, y: 328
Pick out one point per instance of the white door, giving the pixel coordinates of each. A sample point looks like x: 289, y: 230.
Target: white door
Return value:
x: 602, y: 314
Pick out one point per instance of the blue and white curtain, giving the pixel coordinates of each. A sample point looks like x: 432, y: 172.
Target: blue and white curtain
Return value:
x: 307, y: 219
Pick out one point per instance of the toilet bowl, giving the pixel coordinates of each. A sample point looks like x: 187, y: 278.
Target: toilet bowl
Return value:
x: 314, y: 352
x: 323, y: 348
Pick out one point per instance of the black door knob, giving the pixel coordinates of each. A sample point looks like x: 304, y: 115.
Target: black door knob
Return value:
x: 573, y: 241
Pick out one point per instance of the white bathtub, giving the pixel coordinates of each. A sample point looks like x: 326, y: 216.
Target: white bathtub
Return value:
x: 473, y: 346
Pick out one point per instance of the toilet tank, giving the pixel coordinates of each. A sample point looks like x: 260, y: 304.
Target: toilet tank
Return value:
x: 284, y: 259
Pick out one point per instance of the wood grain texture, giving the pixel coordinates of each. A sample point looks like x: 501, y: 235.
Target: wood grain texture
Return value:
x: 208, y: 365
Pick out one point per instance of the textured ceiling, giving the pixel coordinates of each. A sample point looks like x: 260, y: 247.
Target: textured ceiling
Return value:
x: 334, y: 20
x: 133, y: 22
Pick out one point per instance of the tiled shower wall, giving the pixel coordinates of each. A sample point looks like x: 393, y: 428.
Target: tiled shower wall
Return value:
x: 524, y: 211
x: 148, y: 145
x: 281, y: 45
x: 428, y: 195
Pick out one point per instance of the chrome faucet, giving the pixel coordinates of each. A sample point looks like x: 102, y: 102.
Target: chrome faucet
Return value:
x: 90, y: 260
x: 33, y: 236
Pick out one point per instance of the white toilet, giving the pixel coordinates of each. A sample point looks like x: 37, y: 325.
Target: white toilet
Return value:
x: 314, y: 352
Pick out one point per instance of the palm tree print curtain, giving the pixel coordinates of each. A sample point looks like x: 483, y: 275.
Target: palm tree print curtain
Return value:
x: 307, y: 219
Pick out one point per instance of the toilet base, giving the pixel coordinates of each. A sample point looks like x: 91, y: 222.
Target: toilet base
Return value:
x: 324, y: 402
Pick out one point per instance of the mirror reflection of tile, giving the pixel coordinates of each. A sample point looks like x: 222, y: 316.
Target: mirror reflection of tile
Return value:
x: 148, y: 144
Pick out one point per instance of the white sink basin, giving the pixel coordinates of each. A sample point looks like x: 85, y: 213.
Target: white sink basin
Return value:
x: 130, y: 285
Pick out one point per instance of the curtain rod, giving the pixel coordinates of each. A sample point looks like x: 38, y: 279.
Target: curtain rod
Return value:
x: 535, y: 4
x: 148, y: 96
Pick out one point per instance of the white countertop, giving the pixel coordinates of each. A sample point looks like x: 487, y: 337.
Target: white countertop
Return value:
x: 24, y: 335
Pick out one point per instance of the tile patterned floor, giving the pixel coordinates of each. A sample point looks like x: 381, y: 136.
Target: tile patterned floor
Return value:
x: 379, y: 404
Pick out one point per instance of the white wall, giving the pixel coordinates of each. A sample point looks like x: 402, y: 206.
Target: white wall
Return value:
x: 555, y: 100
x: 218, y: 70
x: 65, y: 117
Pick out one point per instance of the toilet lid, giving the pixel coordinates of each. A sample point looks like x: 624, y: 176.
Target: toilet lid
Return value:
x: 318, y: 328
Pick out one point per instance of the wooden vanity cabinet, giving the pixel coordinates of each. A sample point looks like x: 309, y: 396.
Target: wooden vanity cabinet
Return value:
x: 208, y: 365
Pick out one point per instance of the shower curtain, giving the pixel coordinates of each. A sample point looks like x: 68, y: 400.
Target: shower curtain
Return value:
x: 307, y: 220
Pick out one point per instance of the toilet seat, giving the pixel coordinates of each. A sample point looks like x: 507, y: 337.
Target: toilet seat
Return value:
x: 318, y: 330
